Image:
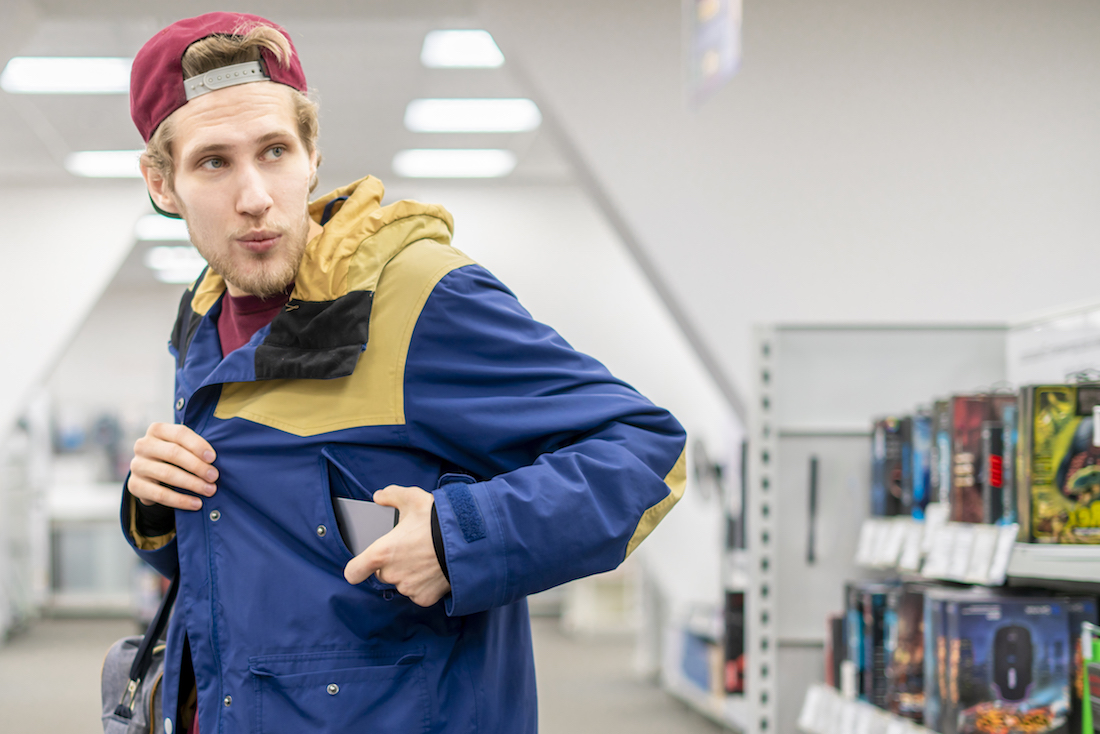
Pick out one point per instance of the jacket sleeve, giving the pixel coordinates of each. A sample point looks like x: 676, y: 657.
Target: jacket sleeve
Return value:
x: 158, y: 551
x: 572, y: 467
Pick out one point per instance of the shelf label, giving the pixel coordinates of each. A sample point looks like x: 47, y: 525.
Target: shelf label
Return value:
x: 865, y: 551
x: 811, y: 716
x: 938, y: 563
x: 893, y: 539
x: 981, y: 555
x: 935, y: 517
x: 960, y: 554
x: 911, y: 550
x: 1006, y: 541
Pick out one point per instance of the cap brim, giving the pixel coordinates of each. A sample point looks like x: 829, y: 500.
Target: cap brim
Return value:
x: 160, y: 211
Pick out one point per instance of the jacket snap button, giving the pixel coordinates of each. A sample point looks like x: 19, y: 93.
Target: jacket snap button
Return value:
x: 228, y: 701
x: 333, y: 689
x: 179, y: 404
x: 321, y: 531
x: 388, y: 594
x: 214, y: 517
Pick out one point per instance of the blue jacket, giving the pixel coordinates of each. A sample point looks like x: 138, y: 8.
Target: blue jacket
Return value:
x: 400, y: 361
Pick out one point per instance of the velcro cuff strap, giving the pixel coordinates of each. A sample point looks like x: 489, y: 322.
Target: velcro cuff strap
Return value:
x: 469, y: 518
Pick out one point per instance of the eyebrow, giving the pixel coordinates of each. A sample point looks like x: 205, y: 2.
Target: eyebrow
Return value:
x: 221, y: 147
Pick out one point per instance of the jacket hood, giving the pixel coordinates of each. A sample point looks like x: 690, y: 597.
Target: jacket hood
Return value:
x: 325, y: 325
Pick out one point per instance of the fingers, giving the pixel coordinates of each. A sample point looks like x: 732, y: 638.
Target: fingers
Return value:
x: 152, y: 493
x: 170, y: 458
x: 183, y: 436
x: 369, y: 562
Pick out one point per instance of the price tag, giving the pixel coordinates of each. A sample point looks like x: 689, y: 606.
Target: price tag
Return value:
x: 1006, y: 541
x: 935, y: 517
x: 865, y: 720
x: 893, y: 539
x: 865, y: 551
x: 897, y: 726
x: 911, y: 550
x: 848, y: 713
x: 811, y: 710
x: 938, y: 563
x: 960, y: 554
x: 981, y: 555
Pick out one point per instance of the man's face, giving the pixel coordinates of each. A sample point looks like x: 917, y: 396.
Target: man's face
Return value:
x: 242, y: 184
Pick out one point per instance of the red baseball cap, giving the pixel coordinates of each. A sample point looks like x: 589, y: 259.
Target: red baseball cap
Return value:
x: 157, y: 86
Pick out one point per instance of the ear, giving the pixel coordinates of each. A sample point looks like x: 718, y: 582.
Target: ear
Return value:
x: 159, y: 190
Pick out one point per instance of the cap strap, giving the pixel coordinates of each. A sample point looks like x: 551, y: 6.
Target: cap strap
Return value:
x: 226, y: 76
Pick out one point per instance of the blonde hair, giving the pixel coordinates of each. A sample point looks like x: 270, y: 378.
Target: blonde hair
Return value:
x: 214, y: 52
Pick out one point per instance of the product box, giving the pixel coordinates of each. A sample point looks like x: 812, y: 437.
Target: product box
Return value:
x: 874, y: 644
x: 836, y: 647
x: 921, y: 453
x: 941, y: 452
x: 935, y: 660
x: 1008, y: 666
x: 1062, y: 463
x: 968, y: 412
x: 1081, y: 610
x: 1010, y: 435
x: 853, y: 632
x: 905, y: 648
x: 991, y: 476
x: 888, y: 445
x: 734, y: 643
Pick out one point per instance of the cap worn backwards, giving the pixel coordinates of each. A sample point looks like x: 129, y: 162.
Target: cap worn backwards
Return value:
x: 157, y: 86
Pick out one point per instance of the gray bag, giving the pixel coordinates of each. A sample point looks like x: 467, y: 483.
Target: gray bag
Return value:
x: 132, y: 674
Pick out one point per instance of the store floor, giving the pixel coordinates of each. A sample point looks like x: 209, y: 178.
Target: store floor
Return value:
x: 49, y: 683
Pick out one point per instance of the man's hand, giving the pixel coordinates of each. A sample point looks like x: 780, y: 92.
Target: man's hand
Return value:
x: 405, y: 556
x: 170, y: 457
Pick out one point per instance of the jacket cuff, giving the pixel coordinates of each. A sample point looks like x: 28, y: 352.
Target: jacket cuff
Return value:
x: 133, y: 525
x: 473, y: 546
x: 437, y: 542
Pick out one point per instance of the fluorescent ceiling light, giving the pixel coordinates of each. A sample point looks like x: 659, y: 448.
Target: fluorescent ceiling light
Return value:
x: 154, y: 227
x: 104, y: 163
x: 174, y: 263
x: 461, y: 163
x: 66, y: 75
x: 472, y: 115
x: 460, y: 50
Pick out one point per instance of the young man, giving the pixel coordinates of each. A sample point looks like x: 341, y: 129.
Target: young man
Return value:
x: 345, y: 349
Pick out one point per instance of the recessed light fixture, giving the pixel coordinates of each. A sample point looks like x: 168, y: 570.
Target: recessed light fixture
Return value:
x: 460, y: 50
x: 104, y: 163
x: 472, y: 115
x: 155, y: 228
x: 454, y: 163
x: 66, y: 75
x: 174, y: 263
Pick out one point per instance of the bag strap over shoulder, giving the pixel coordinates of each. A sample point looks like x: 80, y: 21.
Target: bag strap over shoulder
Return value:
x: 144, y: 657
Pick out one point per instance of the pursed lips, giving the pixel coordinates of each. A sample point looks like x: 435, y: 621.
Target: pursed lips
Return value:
x: 259, y: 242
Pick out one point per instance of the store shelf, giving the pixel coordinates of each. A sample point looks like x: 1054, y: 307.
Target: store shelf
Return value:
x: 730, y: 712
x: 825, y: 711
x: 1055, y: 562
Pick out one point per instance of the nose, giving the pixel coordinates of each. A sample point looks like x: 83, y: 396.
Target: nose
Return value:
x: 253, y: 197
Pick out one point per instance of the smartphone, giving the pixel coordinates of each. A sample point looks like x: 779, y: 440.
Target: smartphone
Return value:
x: 362, y: 522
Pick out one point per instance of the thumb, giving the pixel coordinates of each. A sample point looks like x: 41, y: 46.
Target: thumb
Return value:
x: 393, y: 496
x: 360, y: 568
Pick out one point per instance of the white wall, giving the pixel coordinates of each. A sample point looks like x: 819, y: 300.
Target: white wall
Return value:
x: 59, y: 248
x: 874, y: 160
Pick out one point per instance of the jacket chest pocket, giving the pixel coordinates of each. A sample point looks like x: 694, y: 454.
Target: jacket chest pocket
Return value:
x: 340, y: 692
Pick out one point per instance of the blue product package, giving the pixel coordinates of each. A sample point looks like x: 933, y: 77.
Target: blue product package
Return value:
x: 921, y: 463
x: 1009, y: 666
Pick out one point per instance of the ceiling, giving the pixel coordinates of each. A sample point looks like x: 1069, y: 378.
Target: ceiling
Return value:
x: 361, y: 60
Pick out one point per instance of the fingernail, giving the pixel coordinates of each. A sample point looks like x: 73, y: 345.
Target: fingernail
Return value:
x: 196, y: 504
x: 211, y: 474
x: 211, y: 488
x: 208, y: 456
